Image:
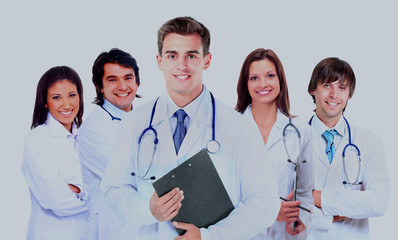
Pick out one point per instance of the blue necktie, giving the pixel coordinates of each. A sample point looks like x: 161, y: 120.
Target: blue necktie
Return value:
x: 330, y: 148
x: 180, y: 131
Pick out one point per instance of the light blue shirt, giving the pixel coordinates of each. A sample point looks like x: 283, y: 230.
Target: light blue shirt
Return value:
x: 189, y: 109
x: 241, y: 162
x: 97, y: 135
x: 320, y: 128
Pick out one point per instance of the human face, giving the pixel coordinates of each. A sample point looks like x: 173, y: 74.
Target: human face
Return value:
x: 330, y: 100
x: 263, y: 82
x: 119, y: 85
x: 182, y: 62
x: 63, y: 102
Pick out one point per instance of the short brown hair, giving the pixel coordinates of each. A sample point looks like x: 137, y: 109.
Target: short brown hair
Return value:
x: 330, y: 70
x: 184, y: 26
x: 244, y: 98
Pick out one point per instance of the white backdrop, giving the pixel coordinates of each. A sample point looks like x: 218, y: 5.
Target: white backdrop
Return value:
x: 37, y: 35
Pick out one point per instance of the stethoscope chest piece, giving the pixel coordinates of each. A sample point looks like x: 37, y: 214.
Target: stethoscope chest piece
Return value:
x: 213, y: 146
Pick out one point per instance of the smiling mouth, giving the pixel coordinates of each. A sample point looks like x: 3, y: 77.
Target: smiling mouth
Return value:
x: 182, y: 77
x: 265, y: 92
x: 122, y: 94
x: 332, y: 103
x: 66, y: 113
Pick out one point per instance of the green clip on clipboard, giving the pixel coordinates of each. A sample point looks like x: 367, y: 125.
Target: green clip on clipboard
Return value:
x: 205, y: 199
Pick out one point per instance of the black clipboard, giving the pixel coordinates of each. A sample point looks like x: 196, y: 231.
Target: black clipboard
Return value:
x: 205, y: 199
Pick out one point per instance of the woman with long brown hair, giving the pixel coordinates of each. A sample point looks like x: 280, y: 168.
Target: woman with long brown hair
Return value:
x: 263, y: 97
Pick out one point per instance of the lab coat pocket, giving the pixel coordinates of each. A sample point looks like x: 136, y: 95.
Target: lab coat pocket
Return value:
x: 353, y: 187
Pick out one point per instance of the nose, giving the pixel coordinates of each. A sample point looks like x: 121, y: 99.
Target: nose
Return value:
x: 333, y: 92
x: 182, y: 64
x: 122, y: 85
x: 263, y: 82
x: 66, y: 104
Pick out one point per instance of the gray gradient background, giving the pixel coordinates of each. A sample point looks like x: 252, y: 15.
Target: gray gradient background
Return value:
x: 37, y: 35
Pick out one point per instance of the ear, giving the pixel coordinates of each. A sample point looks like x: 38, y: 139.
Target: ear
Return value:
x: 102, y: 90
x: 207, y: 61
x: 45, y: 105
x: 312, y: 93
x: 159, y: 61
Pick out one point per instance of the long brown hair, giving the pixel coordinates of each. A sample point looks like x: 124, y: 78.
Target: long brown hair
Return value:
x: 49, y: 78
x: 244, y: 98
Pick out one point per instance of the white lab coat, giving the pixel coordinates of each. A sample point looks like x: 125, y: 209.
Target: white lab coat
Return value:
x: 96, y: 141
x: 284, y: 171
x: 50, y: 163
x: 358, y: 203
x: 241, y: 163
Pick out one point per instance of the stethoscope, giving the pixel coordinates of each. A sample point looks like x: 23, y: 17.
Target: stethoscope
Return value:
x: 113, y: 118
x: 212, y: 145
x: 358, y: 152
x: 296, y: 163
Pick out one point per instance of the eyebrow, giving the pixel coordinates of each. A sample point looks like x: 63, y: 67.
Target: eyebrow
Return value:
x: 175, y: 52
x: 114, y: 76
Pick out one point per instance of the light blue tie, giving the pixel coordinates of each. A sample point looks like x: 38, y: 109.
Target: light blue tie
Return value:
x: 330, y: 148
x: 180, y: 131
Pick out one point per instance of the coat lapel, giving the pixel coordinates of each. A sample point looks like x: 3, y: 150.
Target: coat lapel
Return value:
x: 162, y: 125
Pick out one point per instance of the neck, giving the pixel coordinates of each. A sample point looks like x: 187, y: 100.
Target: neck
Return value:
x: 264, y: 114
x: 329, y: 122
x: 182, y: 100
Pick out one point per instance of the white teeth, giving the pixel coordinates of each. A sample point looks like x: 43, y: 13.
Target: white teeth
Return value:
x: 182, y: 77
x: 66, y: 113
x: 333, y: 104
x: 263, y: 92
x: 122, y: 95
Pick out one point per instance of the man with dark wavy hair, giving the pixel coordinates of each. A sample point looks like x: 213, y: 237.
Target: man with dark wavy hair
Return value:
x: 116, y: 79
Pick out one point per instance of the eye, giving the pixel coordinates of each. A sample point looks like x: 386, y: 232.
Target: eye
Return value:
x: 111, y: 80
x: 171, y: 56
x: 343, y: 87
x: 253, y: 78
x: 192, y: 57
x: 72, y: 95
x: 271, y: 75
x: 326, y: 85
x: 55, y: 97
x: 129, y: 78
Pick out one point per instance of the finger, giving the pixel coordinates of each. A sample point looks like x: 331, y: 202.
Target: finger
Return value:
x: 183, y: 226
x: 291, y: 204
x: 289, y: 228
x: 174, y: 203
x: 165, y: 198
x: 290, y: 196
x: 174, y: 211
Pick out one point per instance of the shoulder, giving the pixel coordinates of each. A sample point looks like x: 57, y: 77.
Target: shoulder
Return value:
x: 363, y: 134
x: 302, y: 124
x: 227, y: 112
x: 38, y: 134
x: 141, y: 111
x: 96, y: 121
x: 233, y: 120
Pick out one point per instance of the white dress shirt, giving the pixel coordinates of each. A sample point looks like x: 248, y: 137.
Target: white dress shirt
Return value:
x: 51, y: 163
x: 97, y: 136
x: 241, y: 163
x: 357, y: 202
x: 284, y: 171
